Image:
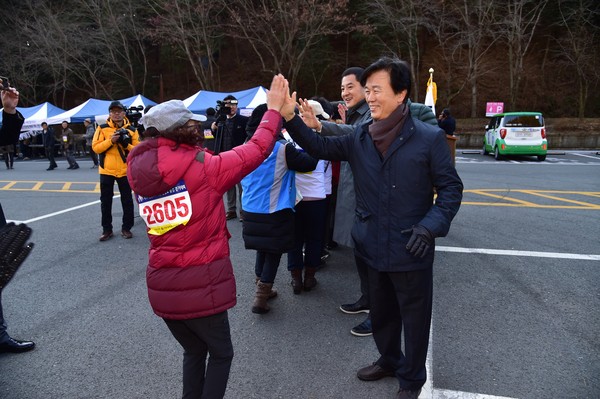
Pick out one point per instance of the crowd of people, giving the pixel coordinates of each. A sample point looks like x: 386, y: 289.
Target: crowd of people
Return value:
x: 302, y: 176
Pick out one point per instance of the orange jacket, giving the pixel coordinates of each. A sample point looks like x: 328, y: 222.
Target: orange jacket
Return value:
x: 110, y: 159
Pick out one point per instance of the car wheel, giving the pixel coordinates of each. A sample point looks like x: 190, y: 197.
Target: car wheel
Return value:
x: 497, y: 155
x: 485, y: 151
x: 541, y: 158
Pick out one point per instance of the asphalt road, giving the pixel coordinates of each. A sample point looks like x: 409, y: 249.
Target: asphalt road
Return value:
x: 511, y: 324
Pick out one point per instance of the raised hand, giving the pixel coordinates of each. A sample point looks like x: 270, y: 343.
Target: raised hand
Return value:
x: 278, y: 93
x: 10, y: 100
x: 308, y: 114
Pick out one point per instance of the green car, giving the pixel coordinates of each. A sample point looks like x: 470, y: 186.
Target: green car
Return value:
x: 516, y: 133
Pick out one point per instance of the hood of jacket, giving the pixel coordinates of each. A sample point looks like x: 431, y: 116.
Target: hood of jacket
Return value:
x: 153, y: 174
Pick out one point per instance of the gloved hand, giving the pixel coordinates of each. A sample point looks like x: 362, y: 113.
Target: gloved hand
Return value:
x: 13, y: 250
x: 420, y: 241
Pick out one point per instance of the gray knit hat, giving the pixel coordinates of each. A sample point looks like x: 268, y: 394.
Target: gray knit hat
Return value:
x: 168, y: 116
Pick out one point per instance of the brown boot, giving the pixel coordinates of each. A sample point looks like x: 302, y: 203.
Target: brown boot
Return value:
x: 296, y: 280
x: 310, y: 281
x: 260, y: 305
x: 273, y: 292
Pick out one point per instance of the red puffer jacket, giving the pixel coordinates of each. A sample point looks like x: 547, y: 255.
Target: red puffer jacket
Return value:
x: 180, y: 193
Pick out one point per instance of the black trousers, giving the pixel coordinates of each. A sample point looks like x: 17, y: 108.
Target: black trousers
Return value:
x: 402, y: 301
x: 50, y: 156
x: 107, y: 183
x: 201, y: 337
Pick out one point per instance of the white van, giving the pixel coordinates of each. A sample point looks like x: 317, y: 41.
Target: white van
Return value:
x: 516, y: 133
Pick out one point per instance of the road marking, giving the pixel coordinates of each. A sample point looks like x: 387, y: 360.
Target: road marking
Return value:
x: 49, y: 215
x: 587, y: 156
x: 537, y: 254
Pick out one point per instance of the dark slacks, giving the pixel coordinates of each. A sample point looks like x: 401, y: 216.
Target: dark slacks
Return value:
x: 402, y: 300
x: 310, y: 219
x: 201, y: 337
x: 107, y: 183
x: 50, y: 156
x: 266, y: 266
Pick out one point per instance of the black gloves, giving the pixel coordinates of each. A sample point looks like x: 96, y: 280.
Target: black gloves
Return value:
x: 420, y: 241
x: 13, y: 250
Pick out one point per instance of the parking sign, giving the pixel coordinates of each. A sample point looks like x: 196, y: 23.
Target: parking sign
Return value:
x: 494, y: 108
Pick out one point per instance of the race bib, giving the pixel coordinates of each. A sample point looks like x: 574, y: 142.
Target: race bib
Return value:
x: 65, y: 138
x: 166, y: 211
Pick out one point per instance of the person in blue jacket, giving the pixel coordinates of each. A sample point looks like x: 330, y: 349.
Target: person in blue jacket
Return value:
x: 397, y: 162
x: 268, y: 198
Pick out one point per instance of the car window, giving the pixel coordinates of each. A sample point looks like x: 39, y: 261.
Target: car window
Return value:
x: 492, y: 123
x: 523, y: 121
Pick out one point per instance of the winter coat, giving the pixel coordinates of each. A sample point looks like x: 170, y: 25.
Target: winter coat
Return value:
x: 395, y: 192
x: 189, y: 272
x: 268, y: 198
x: 110, y: 156
x: 346, y: 201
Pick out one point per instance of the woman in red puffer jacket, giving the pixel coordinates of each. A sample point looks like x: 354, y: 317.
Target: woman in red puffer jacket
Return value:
x: 179, y: 187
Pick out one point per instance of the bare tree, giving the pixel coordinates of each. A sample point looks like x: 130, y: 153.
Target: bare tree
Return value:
x: 194, y: 27
x: 399, y: 27
x: 521, y: 20
x: 474, y: 37
x: 281, y: 32
x: 577, y: 45
x: 117, y: 32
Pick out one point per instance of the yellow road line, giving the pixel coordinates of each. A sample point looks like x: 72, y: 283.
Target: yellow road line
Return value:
x: 481, y: 192
x: 539, y: 194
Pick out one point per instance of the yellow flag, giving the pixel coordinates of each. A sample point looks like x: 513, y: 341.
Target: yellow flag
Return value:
x: 431, y: 96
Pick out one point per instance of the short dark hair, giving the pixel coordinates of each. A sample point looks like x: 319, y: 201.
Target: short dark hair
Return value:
x: 210, y: 111
x: 398, y: 70
x: 356, y: 71
x: 44, y: 123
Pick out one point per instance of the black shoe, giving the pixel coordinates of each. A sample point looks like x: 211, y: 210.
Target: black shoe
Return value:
x: 75, y: 167
x: 406, y: 394
x: 230, y: 215
x: 70, y: 167
x: 364, y: 329
x: 50, y: 168
x: 354, y: 308
x: 16, y: 346
x: 374, y: 372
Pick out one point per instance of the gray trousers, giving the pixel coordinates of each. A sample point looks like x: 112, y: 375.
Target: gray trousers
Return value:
x: 232, y: 197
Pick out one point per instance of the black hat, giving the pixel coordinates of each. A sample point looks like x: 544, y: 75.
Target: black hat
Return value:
x: 116, y: 104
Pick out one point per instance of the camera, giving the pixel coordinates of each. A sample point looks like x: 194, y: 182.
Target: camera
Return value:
x: 133, y: 114
x: 124, y: 137
x: 4, y: 82
x: 223, y: 109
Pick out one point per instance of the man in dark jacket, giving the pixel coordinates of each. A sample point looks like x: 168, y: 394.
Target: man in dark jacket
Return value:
x: 12, y: 121
x: 49, y: 140
x: 397, y: 162
x: 230, y: 131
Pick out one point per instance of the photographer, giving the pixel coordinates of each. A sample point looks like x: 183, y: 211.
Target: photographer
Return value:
x: 112, y: 142
x: 12, y: 121
x: 230, y: 131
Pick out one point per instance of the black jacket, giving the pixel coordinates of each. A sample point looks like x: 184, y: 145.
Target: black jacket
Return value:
x: 11, y: 128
